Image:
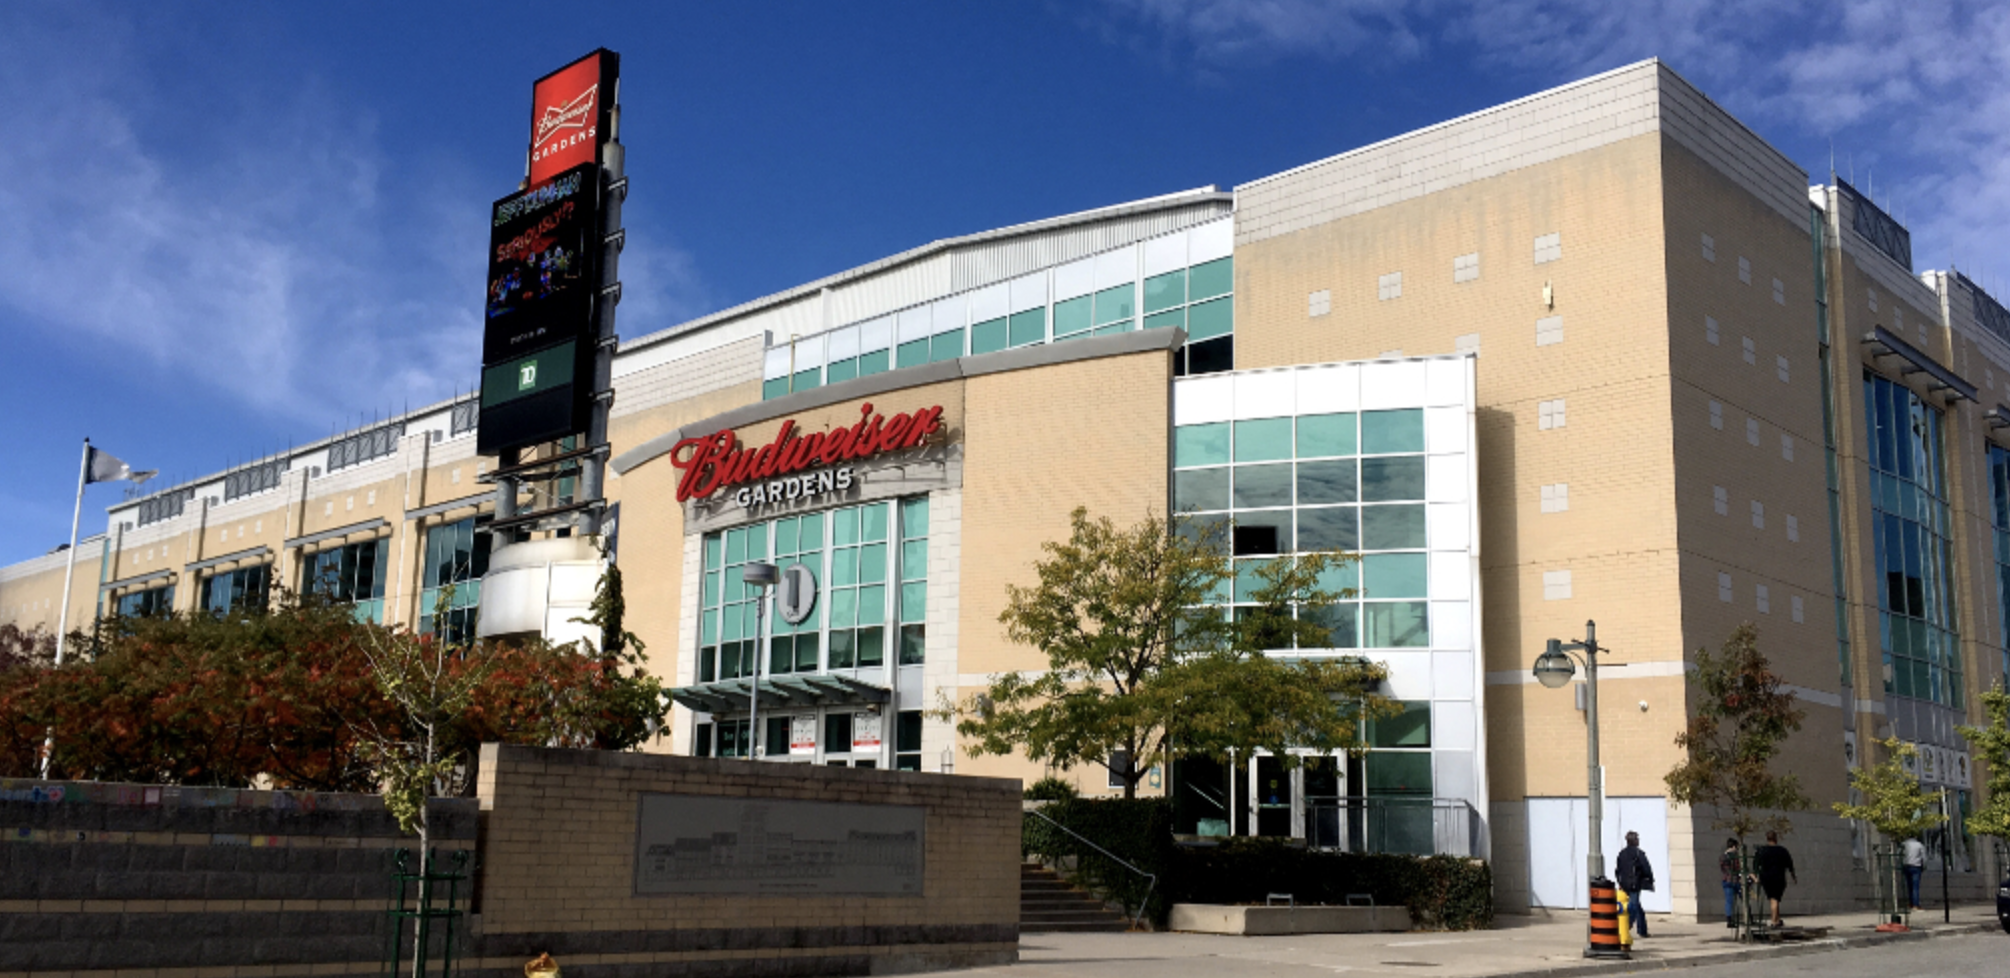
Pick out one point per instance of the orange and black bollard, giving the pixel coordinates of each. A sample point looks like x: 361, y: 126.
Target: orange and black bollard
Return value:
x: 1605, y: 921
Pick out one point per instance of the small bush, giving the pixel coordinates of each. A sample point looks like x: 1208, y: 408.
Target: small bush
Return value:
x: 1137, y: 831
x: 1051, y: 788
x: 1441, y: 892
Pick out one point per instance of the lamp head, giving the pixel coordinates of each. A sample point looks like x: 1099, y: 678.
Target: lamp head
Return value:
x: 760, y: 575
x: 1553, y: 668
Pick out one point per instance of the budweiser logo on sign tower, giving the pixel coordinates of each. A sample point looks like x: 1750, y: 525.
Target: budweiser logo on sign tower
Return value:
x: 569, y: 114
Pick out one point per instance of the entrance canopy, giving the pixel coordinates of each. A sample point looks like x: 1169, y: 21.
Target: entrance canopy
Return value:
x: 781, y: 692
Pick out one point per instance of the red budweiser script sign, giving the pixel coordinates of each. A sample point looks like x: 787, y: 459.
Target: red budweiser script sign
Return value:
x: 569, y: 115
x: 718, y: 460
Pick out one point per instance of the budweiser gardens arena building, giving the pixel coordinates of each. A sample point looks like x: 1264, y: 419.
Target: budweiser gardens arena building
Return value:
x: 1599, y: 353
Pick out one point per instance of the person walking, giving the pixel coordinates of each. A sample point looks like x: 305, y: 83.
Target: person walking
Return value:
x: 1774, y: 864
x: 1914, y: 860
x: 1634, y: 873
x: 1733, y: 875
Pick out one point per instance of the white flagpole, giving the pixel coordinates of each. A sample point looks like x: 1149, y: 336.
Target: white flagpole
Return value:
x: 69, y: 573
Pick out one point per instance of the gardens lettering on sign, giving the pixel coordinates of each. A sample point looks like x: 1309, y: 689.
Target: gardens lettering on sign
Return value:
x: 776, y: 472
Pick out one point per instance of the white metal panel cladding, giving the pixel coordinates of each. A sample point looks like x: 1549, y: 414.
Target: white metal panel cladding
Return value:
x: 988, y: 262
x: 891, y: 290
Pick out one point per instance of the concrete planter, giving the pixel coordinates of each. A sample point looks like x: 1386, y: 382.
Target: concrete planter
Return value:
x: 1210, y: 918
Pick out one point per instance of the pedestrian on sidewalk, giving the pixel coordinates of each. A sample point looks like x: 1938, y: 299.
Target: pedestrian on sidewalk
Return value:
x: 1774, y: 864
x: 1634, y: 874
x: 1728, y: 867
x: 1914, y: 852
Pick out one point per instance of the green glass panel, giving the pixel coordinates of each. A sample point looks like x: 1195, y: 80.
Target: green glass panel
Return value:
x: 757, y: 541
x: 843, y: 649
x: 729, y: 622
x: 1325, y: 435
x: 1392, y: 479
x: 1211, y: 279
x: 1396, y: 625
x: 844, y: 608
x: 1116, y: 303
x: 872, y: 563
x: 871, y: 646
x: 736, y: 546
x: 914, y: 560
x: 1262, y: 486
x: 988, y: 337
x: 708, y: 627
x: 1328, y: 481
x: 914, y: 601
x: 1162, y: 320
x: 1072, y: 316
x: 1329, y: 528
x: 1165, y: 291
x: 806, y: 652
x: 911, y: 354
x: 1388, y: 432
x: 1392, y: 527
x: 1113, y: 328
x: 809, y: 379
x: 1200, y: 444
x: 1396, y: 576
x: 1206, y: 320
x: 1342, y: 578
x: 872, y: 605
x: 914, y: 517
x: 713, y: 549
x: 844, y: 526
x: 1200, y: 489
x: 1263, y: 441
x: 875, y: 362
x: 945, y: 346
x: 785, y: 536
x: 913, y: 652
x: 1083, y: 335
x: 812, y: 535
x: 873, y: 522
x: 1246, y: 579
x: 771, y: 389
x: 1399, y: 773
x: 1029, y: 327
x: 1343, y: 624
x: 844, y: 566
x: 781, y: 655
x: 711, y: 589
x: 842, y: 370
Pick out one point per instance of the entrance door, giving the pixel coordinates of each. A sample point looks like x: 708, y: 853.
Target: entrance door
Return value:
x: 1272, y: 797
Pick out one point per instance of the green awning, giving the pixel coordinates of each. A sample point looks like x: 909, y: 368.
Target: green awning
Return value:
x: 780, y: 692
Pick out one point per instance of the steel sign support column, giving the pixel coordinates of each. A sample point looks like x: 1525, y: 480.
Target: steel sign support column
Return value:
x: 613, y: 170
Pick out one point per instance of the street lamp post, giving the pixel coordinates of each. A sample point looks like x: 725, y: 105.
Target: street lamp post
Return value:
x: 762, y: 577
x: 1553, y: 669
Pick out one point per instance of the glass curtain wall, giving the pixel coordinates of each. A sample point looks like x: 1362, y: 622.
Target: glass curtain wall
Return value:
x: 1350, y: 482
x: 1999, y: 485
x: 1910, y: 522
x: 235, y: 590
x: 352, y: 574
x: 457, y: 555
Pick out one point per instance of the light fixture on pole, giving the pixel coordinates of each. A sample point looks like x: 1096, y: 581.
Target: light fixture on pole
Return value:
x: 762, y: 577
x: 1554, y: 668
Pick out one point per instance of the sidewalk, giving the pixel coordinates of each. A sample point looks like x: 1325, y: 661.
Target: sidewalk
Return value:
x: 1519, y: 947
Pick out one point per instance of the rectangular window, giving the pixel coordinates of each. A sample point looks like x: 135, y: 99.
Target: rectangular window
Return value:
x: 1206, y: 320
x: 243, y: 589
x: 988, y: 336
x: 1027, y: 328
x: 457, y: 555
x: 1211, y: 279
x: 907, y: 741
x: 945, y: 346
x: 352, y: 574
x: 1116, y: 305
x: 140, y: 604
x: 1166, y: 291
x: 839, y: 371
x: 1917, y: 625
x: 1073, y: 316
x: 913, y: 353
x: 874, y: 362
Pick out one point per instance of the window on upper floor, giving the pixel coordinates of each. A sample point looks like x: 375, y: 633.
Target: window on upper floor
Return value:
x: 450, y: 596
x: 1910, y: 527
x: 351, y: 574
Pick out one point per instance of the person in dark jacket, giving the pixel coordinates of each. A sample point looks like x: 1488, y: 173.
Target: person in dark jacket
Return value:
x: 1728, y: 868
x: 1774, y: 864
x: 1634, y: 874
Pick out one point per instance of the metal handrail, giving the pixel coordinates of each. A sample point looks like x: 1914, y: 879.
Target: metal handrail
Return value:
x: 1152, y: 880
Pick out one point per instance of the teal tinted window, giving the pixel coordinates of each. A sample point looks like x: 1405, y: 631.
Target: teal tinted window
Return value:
x: 1028, y: 327
x: 872, y: 605
x: 1247, y: 580
x: 1263, y: 441
x: 1388, y: 432
x: 1395, y: 625
x: 1392, y: 527
x: 1329, y: 481
x: 1342, y: 622
x: 809, y: 379
x: 712, y: 548
x: 914, y: 517
x: 872, y: 563
x: 1122, y: 327
x: 1326, y: 528
x: 872, y: 522
x: 911, y: 354
x: 1115, y: 304
x: 1212, y: 279
x: 841, y: 371
x: 1162, y: 320
x: 771, y: 389
x: 1165, y: 291
x: 1262, y: 486
x: 1325, y: 435
x: 946, y: 346
x: 987, y: 336
x: 1399, y: 773
x: 874, y: 362
x: 914, y: 601
x: 1410, y: 728
x: 1210, y: 319
x: 1072, y: 316
x: 1392, y: 479
x: 1201, y: 444
x: 1200, y: 489
x: 844, y: 526
x: 1342, y: 578
x: 1395, y: 576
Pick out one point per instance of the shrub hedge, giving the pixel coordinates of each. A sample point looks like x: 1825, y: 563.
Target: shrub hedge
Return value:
x: 1441, y: 892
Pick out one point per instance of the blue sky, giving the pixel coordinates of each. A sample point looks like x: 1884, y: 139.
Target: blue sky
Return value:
x: 231, y: 226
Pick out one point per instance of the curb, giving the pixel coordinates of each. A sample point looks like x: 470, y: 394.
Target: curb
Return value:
x: 1746, y: 954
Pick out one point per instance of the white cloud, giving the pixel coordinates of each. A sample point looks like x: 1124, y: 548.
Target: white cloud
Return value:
x: 265, y: 245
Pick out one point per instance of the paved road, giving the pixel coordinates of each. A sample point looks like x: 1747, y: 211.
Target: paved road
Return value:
x: 1942, y: 957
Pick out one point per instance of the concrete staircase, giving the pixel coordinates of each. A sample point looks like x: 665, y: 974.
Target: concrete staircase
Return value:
x: 1049, y: 903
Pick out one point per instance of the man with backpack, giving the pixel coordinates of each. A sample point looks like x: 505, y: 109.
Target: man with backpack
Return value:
x: 1634, y: 874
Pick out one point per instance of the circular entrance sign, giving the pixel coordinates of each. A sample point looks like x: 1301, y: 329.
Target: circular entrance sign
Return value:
x: 797, y: 595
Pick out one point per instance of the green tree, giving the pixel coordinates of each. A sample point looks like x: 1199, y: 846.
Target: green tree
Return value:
x: 1142, y: 659
x: 1991, y: 744
x: 1894, y: 802
x: 1742, y: 717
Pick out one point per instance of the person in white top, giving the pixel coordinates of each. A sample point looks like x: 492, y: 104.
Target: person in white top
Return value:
x: 1913, y: 857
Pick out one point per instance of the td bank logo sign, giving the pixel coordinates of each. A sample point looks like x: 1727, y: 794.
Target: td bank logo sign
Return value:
x: 792, y: 466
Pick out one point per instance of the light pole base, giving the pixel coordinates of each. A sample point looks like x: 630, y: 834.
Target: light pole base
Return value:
x: 1604, y: 942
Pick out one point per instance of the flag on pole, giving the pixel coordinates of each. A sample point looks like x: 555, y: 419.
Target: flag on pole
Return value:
x: 106, y: 467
